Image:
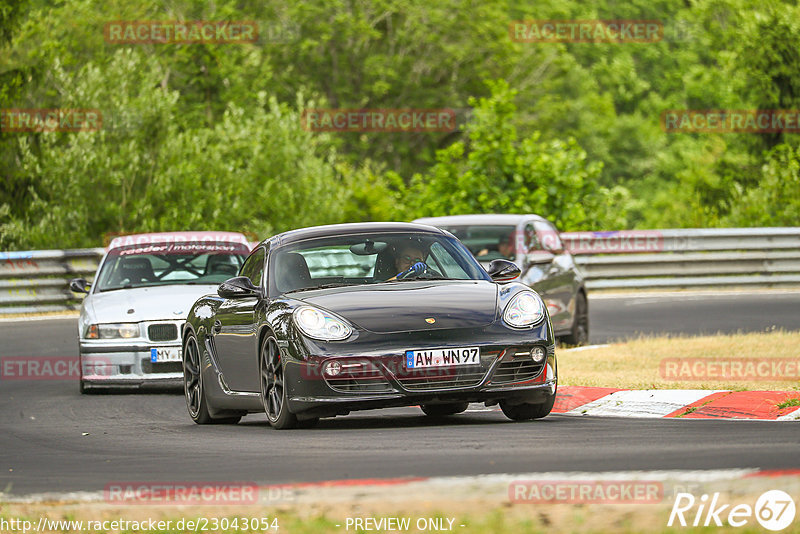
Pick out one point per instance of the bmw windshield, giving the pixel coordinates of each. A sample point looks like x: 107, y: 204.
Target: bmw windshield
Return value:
x: 170, y: 263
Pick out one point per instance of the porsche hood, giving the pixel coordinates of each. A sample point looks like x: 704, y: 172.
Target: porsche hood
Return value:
x: 411, y: 306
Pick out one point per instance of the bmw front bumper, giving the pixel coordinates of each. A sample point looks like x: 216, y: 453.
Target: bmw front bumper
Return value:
x: 118, y: 364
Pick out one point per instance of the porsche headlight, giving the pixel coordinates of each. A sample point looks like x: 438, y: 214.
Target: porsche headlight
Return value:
x: 113, y: 331
x: 525, y: 309
x: 319, y: 324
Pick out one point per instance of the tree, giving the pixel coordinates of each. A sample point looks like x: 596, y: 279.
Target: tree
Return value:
x: 493, y: 171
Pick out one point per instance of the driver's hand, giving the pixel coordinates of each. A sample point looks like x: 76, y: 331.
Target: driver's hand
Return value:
x: 415, y: 270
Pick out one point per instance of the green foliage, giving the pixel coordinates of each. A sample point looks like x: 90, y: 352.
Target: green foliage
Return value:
x: 88, y: 183
x: 10, y: 13
x: 493, y: 171
x: 776, y: 202
x: 209, y: 136
x: 255, y: 170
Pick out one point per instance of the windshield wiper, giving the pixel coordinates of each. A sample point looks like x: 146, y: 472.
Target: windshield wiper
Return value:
x: 126, y: 286
x: 323, y: 286
x: 426, y: 279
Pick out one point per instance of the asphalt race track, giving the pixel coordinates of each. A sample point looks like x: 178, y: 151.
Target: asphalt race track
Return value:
x: 52, y: 439
x: 696, y: 313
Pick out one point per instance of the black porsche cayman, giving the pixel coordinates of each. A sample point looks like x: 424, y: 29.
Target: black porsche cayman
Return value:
x: 325, y: 320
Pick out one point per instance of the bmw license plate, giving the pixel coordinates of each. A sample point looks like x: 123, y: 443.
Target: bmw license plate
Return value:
x: 166, y: 354
x: 420, y: 359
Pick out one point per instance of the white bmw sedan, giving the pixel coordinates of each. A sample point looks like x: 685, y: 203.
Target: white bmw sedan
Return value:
x: 131, y: 318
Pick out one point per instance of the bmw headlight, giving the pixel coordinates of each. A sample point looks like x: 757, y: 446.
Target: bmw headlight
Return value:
x: 525, y: 309
x: 113, y: 331
x: 319, y: 324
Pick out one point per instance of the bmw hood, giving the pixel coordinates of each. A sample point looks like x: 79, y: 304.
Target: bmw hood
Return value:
x: 411, y: 306
x: 170, y: 302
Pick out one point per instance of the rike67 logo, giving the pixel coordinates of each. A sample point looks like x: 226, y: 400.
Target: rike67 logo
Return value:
x: 774, y: 510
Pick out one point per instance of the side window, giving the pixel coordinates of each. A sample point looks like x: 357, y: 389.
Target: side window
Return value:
x: 530, y: 239
x: 446, y: 262
x: 254, y: 267
x: 548, y: 237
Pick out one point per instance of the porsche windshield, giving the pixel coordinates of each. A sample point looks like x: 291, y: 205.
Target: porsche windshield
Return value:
x: 368, y: 259
x: 170, y: 263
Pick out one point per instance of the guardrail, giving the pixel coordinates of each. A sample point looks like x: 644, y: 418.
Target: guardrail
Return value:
x: 692, y: 258
x: 37, y: 281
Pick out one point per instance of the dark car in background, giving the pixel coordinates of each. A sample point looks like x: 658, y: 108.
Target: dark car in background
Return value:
x: 535, y: 245
x: 325, y: 320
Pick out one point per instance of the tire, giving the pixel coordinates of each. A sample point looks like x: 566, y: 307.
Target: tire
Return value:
x: 273, y: 390
x: 579, y: 335
x: 81, y: 384
x: 526, y: 412
x: 86, y: 389
x: 441, y: 410
x: 195, y: 393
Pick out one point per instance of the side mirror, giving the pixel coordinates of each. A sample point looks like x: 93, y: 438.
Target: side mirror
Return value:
x: 503, y: 271
x: 538, y: 257
x: 79, y: 285
x: 237, y: 288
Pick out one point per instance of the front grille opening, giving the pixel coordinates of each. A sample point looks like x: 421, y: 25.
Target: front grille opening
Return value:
x: 148, y: 367
x: 162, y: 332
x: 359, y: 376
x: 517, y: 366
x: 448, y: 377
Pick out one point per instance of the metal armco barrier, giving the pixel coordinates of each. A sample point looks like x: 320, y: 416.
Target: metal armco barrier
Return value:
x: 37, y: 281
x: 692, y: 258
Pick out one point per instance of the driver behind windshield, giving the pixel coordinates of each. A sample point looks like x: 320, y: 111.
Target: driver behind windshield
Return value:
x: 408, y: 261
x: 505, y: 247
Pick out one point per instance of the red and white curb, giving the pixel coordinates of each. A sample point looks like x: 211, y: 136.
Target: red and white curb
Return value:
x: 677, y: 403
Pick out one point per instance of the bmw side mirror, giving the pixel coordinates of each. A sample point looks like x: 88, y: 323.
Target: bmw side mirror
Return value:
x: 237, y: 288
x: 503, y: 271
x: 79, y: 285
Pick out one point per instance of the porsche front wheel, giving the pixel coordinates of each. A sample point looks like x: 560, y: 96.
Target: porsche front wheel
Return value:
x: 441, y: 410
x: 526, y: 412
x: 273, y: 386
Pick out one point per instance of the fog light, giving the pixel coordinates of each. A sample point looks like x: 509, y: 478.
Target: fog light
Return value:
x: 332, y: 368
x: 537, y: 354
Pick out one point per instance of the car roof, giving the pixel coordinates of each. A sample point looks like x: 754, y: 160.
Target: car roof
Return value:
x: 178, y: 237
x: 301, y: 234
x: 479, y: 219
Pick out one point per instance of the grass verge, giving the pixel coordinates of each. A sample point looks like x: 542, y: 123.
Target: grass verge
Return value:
x: 641, y: 363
